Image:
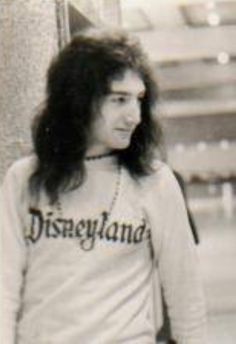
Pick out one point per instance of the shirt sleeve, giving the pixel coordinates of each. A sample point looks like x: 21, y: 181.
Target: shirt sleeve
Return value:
x: 13, y: 256
x: 176, y: 259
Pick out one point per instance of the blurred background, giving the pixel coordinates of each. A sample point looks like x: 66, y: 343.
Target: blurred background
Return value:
x: 192, y: 47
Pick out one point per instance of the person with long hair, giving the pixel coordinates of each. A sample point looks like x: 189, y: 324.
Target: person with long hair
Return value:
x: 92, y: 225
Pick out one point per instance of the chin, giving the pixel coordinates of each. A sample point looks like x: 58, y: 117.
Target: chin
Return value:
x: 122, y: 145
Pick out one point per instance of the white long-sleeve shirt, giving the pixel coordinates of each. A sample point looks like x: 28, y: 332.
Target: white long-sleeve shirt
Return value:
x: 76, y: 275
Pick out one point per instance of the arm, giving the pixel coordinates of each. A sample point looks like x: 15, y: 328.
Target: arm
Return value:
x: 193, y: 227
x: 176, y: 259
x: 12, y: 256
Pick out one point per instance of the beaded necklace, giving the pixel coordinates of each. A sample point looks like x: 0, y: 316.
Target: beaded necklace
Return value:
x: 98, y: 157
x: 58, y: 204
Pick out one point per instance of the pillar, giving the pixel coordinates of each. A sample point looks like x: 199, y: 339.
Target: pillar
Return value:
x: 28, y: 41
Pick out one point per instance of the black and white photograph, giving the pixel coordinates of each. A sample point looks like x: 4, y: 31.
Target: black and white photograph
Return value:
x: 118, y: 171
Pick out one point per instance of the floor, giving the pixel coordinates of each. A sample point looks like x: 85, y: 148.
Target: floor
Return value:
x: 216, y: 224
x: 217, y: 252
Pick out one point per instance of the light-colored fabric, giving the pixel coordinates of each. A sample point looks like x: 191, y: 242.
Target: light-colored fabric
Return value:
x: 77, y: 276
x: 175, y: 257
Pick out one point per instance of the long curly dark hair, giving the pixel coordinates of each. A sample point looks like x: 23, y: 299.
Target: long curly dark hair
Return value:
x: 80, y: 75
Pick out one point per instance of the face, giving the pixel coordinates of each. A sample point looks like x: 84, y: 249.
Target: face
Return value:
x: 118, y: 115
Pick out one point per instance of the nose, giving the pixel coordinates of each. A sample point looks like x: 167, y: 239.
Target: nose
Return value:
x: 133, y: 113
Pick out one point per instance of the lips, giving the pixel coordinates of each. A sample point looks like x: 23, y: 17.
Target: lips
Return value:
x: 125, y: 130
x: 124, y: 134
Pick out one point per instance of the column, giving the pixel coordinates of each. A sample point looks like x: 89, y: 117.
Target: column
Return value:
x: 28, y: 41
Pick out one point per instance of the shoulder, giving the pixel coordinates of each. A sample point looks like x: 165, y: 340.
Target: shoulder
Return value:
x: 160, y: 186
x: 21, y: 169
x: 14, y: 187
x: 161, y: 177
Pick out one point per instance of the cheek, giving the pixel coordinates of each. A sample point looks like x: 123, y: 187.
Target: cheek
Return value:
x: 108, y: 118
x: 101, y: 128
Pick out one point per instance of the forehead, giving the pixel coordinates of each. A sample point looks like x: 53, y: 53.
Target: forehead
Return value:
x: 128, y: 82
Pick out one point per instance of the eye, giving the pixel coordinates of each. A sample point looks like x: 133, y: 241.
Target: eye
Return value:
x: 140, y: 99
x: 119, y: 99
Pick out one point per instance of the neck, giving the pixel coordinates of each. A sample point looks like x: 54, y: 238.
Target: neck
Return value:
x: 99, y: 156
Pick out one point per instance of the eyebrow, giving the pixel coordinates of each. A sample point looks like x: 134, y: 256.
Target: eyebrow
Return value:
x: 124, y: 93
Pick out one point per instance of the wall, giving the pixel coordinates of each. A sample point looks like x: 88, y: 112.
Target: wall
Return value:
x: 28, y: 40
